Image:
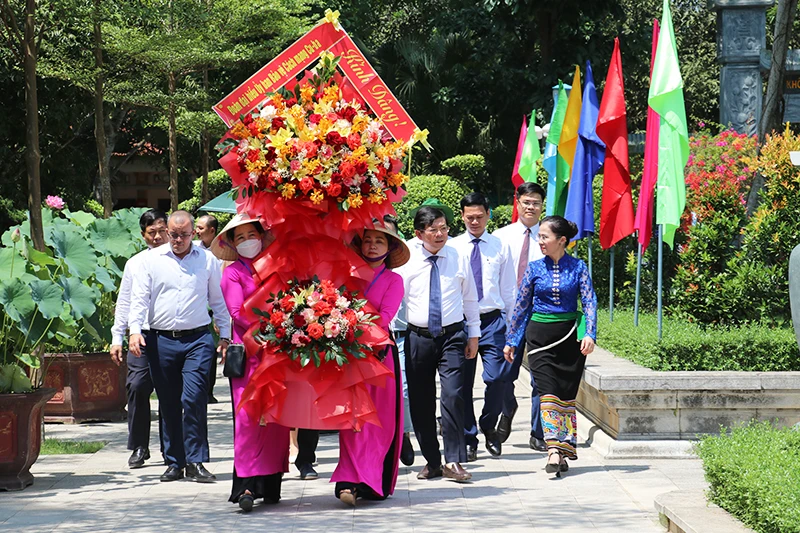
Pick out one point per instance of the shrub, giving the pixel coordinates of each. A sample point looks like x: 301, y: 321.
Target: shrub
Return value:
x: 445, y: 188
x: 718, y: 178
x: 468, y: 170
x: 689, y: 346
x: 218, y: 183
x: 754, y: 473
x: 501, y: 216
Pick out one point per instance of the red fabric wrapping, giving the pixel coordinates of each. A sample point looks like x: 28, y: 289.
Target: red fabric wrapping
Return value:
x: 328, y: 397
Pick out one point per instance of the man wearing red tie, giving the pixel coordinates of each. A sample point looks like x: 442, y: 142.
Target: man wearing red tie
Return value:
x: 522, y: 237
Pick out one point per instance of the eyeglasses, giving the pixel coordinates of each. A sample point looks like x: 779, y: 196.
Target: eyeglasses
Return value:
x: 176, y: 236
x: 532, y: 205
x: 436, y: 231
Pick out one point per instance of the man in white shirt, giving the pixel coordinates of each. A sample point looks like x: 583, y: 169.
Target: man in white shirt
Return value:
x: 206, y: 229
x: 439, y: 292
x: 172, y: 293
x: 139, y: 384
x: 495, y: 278
x: 522, y: 237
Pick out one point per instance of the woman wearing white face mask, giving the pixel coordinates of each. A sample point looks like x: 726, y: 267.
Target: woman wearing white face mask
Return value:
x: 257, y: 468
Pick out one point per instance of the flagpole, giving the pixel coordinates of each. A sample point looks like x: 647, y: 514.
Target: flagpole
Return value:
x: 589, y: 238
x: 611, y: 288
x: 638, y: 285
x: 660, y: 276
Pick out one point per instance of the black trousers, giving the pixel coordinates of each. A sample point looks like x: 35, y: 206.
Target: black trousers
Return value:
x: 424, y: 357
x: 139, y: 387
x: 307, y: 440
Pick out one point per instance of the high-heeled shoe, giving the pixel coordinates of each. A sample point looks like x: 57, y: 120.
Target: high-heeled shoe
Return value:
x: 553, y: 467
x: 246, y: 502
x: 563, y: 466
x: 348, y: 496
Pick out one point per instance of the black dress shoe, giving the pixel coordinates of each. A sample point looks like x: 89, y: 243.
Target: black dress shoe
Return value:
x: 138, y: 457
x: 493, y: 443
x: 407, y: 451
x: 504, y: 426
x: 472, y: 454
x: 212, y: 399
x: 173, y: 473
x: 307, y: 472
x: 197, y: 472
x: 537, y: 444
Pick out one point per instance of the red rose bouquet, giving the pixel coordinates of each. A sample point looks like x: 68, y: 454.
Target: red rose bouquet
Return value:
x: 315, y: 321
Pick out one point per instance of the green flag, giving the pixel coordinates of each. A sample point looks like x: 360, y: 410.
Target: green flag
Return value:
x: 530, y: 153
x: 666, y: 99
x: 556, y: 166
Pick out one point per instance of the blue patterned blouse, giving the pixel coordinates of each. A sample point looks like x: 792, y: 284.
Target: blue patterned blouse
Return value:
x: 553, y: 288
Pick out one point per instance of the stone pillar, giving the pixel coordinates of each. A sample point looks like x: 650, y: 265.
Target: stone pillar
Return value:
x: 741, y: 37
x: 794, y: 289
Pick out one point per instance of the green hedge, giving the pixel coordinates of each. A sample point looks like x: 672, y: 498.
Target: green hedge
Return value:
x: 688, y: 346
x: 754, y: 473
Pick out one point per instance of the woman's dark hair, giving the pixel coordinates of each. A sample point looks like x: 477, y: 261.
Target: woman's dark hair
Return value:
x: 150, y: 217
x: 425, y: 217
x: 231, y: 232
x: 561, y: 226
x: 473, y: 199
x: 530, y: 187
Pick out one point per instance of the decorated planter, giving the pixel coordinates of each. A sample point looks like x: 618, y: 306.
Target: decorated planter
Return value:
x: 89, y: 387
x: 20, y: 436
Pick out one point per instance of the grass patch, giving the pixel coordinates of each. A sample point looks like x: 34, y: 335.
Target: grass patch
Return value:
x: 69, y: 447
x: 754, y: 473
x: 689, y: 346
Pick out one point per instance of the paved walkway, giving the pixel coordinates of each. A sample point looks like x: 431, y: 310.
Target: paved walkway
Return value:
x: 98, y: 493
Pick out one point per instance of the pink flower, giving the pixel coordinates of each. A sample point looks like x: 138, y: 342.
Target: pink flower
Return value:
x: 701, y: 124
x: 332, y: 329
x: 722, y: 143
x: 55, y: 202
x: 295, y: 165
x: 298, y: 339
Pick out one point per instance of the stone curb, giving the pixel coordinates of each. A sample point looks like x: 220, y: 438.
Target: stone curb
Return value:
x: 690, y: 512
x: 610, y: 448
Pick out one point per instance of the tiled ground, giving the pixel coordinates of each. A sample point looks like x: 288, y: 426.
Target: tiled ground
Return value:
x: 97, y: 493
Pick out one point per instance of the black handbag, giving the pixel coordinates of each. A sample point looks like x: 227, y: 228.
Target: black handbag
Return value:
x: 234, y: 361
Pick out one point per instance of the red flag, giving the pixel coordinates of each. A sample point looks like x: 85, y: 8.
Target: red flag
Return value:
x: 616, y: 214
x: 516, y: 179
x: 644, y: 210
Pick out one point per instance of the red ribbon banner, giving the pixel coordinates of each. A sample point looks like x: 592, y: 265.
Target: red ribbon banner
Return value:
x: 301, y: 55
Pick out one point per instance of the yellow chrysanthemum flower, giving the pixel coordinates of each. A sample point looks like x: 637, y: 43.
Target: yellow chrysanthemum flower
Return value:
x: 377, y: 197
x: 307, y: 93
x: 355, y: 200
x: 360, y: 123
x: 240, y: 131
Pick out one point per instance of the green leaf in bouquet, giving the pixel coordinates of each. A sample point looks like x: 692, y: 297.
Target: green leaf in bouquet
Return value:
x: 48, y: 295
x: 76, y: 252
x: 80, y: 297
x: 111, y: 237
x: 317, y: 361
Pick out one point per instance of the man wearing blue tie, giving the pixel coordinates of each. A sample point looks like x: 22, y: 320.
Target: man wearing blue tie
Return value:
x: 495, y: 278
x: 439, y: 293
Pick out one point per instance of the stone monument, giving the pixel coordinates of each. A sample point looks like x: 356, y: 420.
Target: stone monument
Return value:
x: 741, y: 38
x: 794, y: 290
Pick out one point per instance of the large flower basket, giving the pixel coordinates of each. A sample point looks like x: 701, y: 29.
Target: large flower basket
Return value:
x: 317, y: 161
x: 20, y: 436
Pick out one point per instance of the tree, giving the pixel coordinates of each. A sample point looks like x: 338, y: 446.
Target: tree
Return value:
x: 24, y: 45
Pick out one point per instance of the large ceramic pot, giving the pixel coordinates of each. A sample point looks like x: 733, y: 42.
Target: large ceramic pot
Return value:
x: 89, y: 387
x: 20, y: 436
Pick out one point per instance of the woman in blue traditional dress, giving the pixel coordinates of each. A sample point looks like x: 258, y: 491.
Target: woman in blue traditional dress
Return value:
x: 558, y: 337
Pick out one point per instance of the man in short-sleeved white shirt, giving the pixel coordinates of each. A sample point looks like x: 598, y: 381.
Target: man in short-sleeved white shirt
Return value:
x: 522, y: 237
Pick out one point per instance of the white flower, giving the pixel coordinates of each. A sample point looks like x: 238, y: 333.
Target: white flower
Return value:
x: 268, y: 112
x: 342, y: 302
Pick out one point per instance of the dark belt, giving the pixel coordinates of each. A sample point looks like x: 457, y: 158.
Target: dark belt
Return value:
x: 491, y: 315
x: 178, y: 333
x: 447, y: 330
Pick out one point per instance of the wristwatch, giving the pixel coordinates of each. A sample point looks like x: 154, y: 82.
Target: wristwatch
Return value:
x: 225, y: 339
